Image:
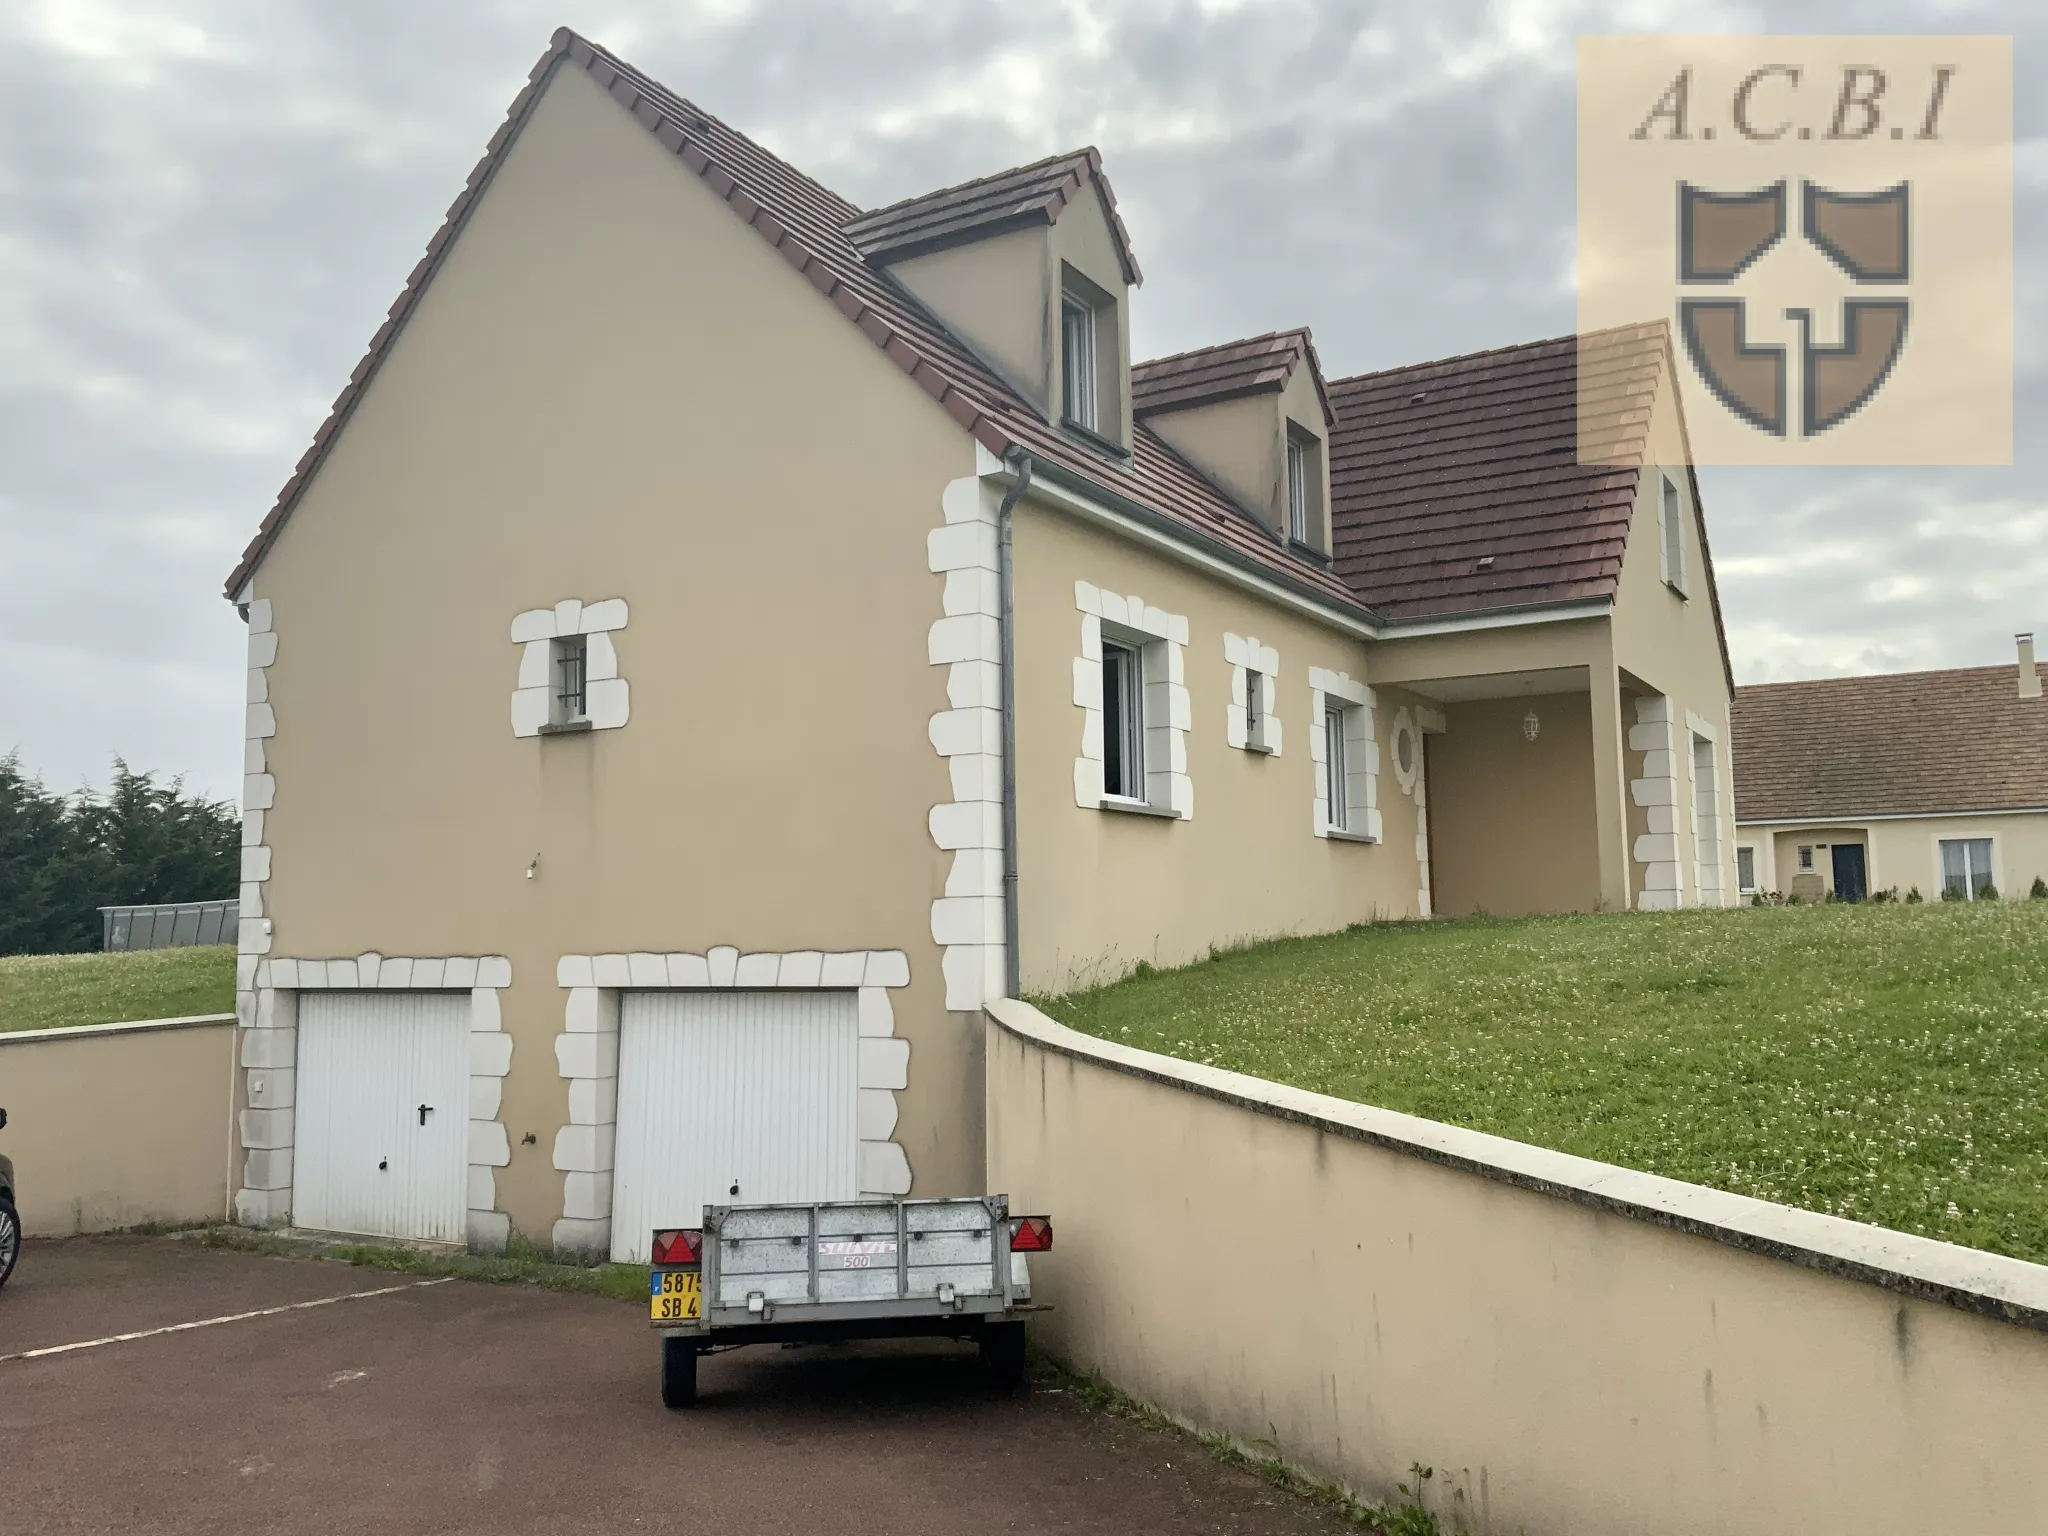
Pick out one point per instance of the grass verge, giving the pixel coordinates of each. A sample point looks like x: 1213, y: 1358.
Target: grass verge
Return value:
x: 57, y: 991
x: 523, y: 1264
x: 1888, y: 1063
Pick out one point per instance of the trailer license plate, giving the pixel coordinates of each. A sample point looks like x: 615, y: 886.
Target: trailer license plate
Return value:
x: 678, y: 1296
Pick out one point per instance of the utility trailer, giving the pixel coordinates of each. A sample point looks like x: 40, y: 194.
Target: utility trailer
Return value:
x: 868, y: 1269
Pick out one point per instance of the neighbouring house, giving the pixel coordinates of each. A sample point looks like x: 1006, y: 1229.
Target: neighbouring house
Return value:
x: 722, y: 636
x: 1935, y: 781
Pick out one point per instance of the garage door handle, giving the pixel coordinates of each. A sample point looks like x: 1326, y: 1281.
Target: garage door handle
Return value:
x: 425, y: 1110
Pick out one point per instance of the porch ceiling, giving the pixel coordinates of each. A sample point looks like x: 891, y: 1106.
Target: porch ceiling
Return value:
x: 1503, y: 685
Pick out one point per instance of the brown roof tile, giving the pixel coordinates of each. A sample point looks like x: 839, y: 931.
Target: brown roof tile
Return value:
x: 806, y: 224
x: 1030, y: 194
x: 1901, y: 744
x: 1256, y: 365
x: 1441, y: 466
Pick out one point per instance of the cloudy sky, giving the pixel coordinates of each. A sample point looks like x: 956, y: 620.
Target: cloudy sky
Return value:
x: 206, y: 207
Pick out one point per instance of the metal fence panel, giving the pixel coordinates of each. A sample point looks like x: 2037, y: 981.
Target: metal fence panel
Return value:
x: 167, y: 924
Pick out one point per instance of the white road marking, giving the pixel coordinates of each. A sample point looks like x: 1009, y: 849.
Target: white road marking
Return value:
x: 215, y: 1322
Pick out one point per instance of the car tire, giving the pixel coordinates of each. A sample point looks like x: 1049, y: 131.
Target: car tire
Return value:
x: 678, y: 1372
x: 1002, y: 1351
x: 10, y: 1238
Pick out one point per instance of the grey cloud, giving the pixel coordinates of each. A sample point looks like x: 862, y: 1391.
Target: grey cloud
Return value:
x: 207, y: 206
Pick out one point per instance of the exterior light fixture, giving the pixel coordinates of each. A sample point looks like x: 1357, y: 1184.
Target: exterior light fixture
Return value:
x: 1531, y: 726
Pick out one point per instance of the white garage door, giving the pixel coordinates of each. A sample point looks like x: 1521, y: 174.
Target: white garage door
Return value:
x: 718, y: 1091
x: 382, y: 1129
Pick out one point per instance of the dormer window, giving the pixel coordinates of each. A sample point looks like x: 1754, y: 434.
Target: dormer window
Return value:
x: 1304, y: 488
x: 1078, y: 360
x: 1297, y: 489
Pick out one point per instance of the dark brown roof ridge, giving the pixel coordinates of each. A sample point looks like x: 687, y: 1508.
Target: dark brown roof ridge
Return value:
x: 1087, y: 152
x: 1630, y: 330
x: 988, y: 205
x: 800, y: 220
x: 1227, y: 370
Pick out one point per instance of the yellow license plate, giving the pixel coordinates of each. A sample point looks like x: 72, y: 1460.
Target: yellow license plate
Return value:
x: 678, y: 1296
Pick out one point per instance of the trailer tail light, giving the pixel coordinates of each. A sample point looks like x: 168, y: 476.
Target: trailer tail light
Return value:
x: 1031, y: 1234
x: 678, y: 1246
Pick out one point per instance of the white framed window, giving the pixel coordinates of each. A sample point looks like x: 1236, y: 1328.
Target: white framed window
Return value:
x: 1123, y: 721
x: 569, y: 668
x: 1131, y: 688
x: 1965, y: 868
x: 1078, y: 361
x: 1346, y: 756
x: 1297, y: 489
x: 1706, y: 814
x: 1336, y: 781
x: 1745, y: 871
x: 1671, y: 529
x: 1805, y: 857
x: 1250, y: 721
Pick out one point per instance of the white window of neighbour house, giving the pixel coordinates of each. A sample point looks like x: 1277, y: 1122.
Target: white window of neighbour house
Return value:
x: 1745, y: 870
x: 1297, y: 489
x: 571, y: 657
x: 1346, y: 757
x: 569, y: 668
x: 1135, y: 711
x: 1965, y: 868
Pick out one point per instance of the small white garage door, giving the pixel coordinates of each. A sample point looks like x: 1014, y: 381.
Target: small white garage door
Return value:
x: 722, y: 1090
x: 382, y: 1129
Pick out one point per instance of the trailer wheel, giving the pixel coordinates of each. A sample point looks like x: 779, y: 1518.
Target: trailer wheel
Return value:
x: 678, y: 1371
x: 1002, y: 1351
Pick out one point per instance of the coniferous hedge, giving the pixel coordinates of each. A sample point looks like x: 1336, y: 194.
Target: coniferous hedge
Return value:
x: 62, y: 857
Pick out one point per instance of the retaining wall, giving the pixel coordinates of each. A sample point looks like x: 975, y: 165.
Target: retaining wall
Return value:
x: 112, y: 1125
x: 1578, y: 1349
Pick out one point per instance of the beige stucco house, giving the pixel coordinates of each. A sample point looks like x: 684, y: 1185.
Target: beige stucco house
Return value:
x: 1928, y: 781
x: 723, y: 636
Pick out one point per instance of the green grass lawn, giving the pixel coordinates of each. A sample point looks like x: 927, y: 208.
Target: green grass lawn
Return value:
x: 1886, y: 1063
x: 50, y: 991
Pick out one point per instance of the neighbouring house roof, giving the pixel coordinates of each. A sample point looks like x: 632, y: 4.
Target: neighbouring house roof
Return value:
x: 807, y: 226
x: 1257, y: 365
x: 1456, y: 485
x: 1901, y: 744
x: 1015, y: 199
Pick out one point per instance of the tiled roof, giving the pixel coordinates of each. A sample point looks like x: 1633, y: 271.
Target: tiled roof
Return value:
x: 1030, y: 194
x: 1905, y: 743
x: 805, y: 224
x: 1456, y: 485
x: 1256, y: 365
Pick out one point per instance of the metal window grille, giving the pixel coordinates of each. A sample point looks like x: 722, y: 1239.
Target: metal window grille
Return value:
x: 1123, y: 723
x: 572, y: 667
x: 1077, y: 348
x: 1334, y: 770
x: 1254, y: 708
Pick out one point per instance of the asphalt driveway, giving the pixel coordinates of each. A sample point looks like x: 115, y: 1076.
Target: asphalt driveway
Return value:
x: 455, y: 1406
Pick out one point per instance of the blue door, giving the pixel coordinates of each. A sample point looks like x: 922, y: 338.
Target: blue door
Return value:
x: 1850, y: 881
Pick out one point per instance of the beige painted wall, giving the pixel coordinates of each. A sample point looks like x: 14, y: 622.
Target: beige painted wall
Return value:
x: 1670, y: 643
x: 1100, y: 891
x: 1905, y: 852
x: 112, y: 1126
x: 997, y: 293
x: 1568, y: 1371
x: 614, y: 388
x: 1512, y: 827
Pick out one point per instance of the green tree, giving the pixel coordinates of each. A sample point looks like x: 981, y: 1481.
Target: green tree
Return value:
x: 63, y: 857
